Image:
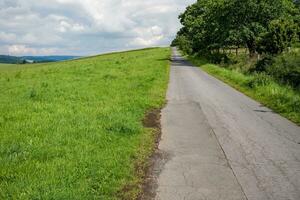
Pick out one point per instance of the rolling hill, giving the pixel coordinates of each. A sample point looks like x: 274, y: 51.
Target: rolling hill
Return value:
x: 37, y: 59
x: 10, y: 59
x: 74, y: 129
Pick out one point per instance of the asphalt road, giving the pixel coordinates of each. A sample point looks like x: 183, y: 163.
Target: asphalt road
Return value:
x: 222, y: 145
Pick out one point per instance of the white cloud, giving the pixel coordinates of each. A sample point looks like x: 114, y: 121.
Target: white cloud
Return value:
x: 156, y: 30
x: 85, y: 27
x: 66, y: 26
x: 7, y: 37
x: 148, y: 36
x: 24, y: 50
x: 139, y: 41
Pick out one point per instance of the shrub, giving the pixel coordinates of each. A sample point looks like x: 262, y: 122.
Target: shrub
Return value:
x: 183, y: 43
x: 217, y: 58
x: 263, y: 64
x: 286, y: 69
x: 280, y: 35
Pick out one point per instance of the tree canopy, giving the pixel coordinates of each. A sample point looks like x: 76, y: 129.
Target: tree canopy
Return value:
x: 264, y: 26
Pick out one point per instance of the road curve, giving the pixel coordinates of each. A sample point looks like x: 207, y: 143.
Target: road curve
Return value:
x: 222, y: 145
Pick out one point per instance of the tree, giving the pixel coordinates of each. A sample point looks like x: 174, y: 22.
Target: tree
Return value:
x: 209, y: 25
x: 280, y: 35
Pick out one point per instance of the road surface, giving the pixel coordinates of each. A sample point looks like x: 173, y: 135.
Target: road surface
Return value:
x: 221, y: 145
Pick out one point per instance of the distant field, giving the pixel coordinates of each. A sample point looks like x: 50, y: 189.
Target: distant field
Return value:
x: 73, y: 130
x: 7, y: 66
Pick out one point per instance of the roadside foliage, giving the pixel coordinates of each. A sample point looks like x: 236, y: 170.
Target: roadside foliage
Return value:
x: 254, y: 40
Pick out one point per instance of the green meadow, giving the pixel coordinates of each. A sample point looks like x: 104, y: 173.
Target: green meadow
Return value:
x: 8, y: 66
x: 74, y: 130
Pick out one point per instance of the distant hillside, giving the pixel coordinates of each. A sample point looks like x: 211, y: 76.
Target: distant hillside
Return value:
x: 10, y: 59
x: 49, y: 58
x: 36, y: 59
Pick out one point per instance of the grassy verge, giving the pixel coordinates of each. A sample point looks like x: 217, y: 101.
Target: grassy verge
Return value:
x: 281, y: 98
x: 73, y: 130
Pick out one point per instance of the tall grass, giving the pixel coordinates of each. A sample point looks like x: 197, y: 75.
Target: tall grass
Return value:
x: 73, y: 130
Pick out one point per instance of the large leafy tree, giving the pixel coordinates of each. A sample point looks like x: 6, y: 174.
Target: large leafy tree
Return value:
x: 213, y: 24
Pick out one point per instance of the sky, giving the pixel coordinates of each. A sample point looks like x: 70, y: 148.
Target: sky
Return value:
x: 86, y: 27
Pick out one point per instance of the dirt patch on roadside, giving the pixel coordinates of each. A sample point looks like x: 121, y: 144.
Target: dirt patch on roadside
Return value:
x: 152, y: 119
x: 156, y: 161
x: 149, y: 168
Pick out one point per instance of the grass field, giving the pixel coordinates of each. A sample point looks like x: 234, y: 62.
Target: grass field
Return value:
x: 73, y: 130
x: 281, y: 98
x: 4, y: 66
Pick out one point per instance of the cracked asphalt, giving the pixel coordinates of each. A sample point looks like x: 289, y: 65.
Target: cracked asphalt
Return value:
x: 222, y: 145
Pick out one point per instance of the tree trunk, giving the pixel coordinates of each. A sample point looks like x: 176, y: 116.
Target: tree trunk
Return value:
x: 252, y: 48
x: 252, y: 52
